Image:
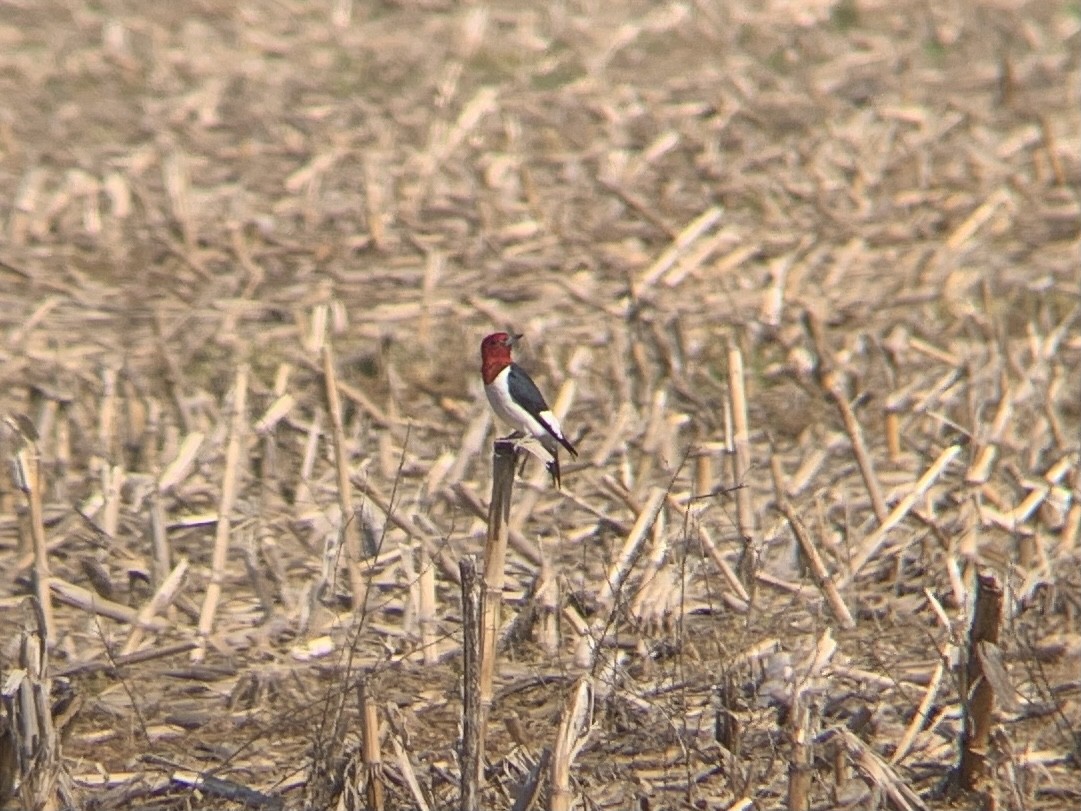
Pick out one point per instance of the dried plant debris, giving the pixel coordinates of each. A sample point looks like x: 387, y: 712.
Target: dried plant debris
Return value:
x: 801, y: 275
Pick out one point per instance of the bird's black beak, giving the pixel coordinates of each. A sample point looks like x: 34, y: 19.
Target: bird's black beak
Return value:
x: 513, y: 339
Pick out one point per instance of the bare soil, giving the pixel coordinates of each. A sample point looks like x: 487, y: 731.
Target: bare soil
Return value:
x: 872, y: 204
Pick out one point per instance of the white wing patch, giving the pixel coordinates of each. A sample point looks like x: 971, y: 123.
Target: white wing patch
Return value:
x: 550, y: 419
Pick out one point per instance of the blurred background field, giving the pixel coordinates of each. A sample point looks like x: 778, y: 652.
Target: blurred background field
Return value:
x: 197, y: 194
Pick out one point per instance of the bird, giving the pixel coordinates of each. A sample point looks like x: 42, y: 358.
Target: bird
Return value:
x: 517, y: 401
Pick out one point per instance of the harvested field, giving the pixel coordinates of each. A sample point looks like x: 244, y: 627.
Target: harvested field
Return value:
x: 802, y: 278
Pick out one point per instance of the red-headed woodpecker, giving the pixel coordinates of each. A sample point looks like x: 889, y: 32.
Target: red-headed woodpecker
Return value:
x: 517, y: 401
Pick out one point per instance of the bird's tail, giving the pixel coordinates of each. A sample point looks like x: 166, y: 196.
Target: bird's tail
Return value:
x: 573, y: 451
x: 549, y: 444
x: 553, y: 468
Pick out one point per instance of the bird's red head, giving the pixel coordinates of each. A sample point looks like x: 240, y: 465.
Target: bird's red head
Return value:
x: 495, y: 354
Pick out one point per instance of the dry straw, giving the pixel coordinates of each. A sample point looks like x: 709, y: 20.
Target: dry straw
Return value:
x: 827, y: 259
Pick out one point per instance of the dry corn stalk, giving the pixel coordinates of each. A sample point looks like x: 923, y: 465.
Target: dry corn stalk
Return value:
x: 225, y: 509
x: 504, y: 461
x: 471, y: 750
x: 26, y: 471
x: 574, y: 729
x: 30, y: 763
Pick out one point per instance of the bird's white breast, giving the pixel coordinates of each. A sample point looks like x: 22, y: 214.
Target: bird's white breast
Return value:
x: 513, y: 414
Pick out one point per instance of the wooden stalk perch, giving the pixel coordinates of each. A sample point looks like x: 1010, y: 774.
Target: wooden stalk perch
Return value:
x: 504, y: 461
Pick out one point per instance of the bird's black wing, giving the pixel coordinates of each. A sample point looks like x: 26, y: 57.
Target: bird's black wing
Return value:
x: 525, y: 393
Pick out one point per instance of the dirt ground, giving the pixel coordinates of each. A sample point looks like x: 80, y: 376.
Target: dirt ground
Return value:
x: 810, y: 257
